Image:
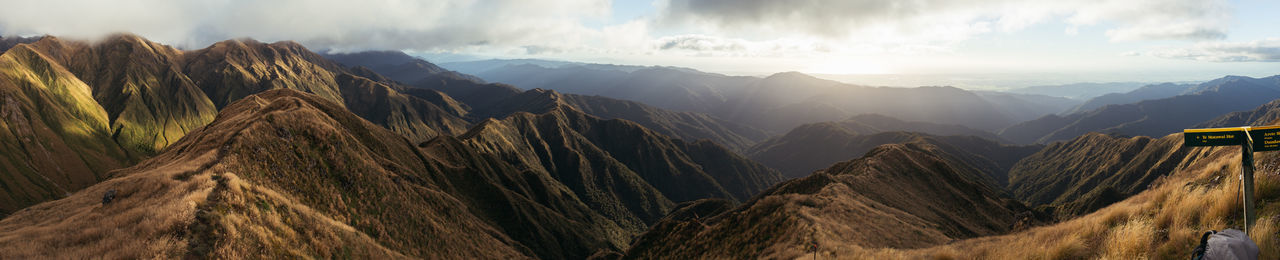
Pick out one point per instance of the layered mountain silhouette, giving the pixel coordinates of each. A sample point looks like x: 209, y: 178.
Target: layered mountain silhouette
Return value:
x: 1027, y: 106
x: 814, y: 146
x: 1261, y: 116
x: 421, y: 75
x: 897, y: 196
x: 398, y: 66
x: 1148, y: 92
x: 683, y: 125
x: 7, y: 42
x: 1080, y: 91
x: 775, y: 103
x: 1156, y: 117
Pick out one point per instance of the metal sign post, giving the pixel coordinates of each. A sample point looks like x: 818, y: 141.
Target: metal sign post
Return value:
x: 1250, y: 139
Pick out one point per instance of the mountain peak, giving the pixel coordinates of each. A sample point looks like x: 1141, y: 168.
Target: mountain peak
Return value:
x: 125, y: 37
x: 791, y: 75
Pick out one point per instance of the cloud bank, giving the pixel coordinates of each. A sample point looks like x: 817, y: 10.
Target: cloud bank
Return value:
x: 799, y: 32
x: 375, y: 24
x: 950, y: 20
x: 1267, y: 50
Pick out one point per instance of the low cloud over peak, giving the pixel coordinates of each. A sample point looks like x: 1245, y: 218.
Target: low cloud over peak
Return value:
x: 378, y: 24
x: 1133, y: 19
x: 744, y: 37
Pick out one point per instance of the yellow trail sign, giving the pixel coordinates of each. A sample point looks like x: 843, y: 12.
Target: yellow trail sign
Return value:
x: 1250, y: 139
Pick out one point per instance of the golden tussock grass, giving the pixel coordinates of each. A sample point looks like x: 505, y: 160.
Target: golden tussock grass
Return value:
x: 257, y: 222
x: 1164, y: 222
x: 145, y: 220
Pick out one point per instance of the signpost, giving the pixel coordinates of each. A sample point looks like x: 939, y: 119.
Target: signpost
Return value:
x: 1250, y: 139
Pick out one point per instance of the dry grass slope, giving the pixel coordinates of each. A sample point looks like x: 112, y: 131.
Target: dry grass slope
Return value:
x: 1164, y: 222
x: 215, y: 194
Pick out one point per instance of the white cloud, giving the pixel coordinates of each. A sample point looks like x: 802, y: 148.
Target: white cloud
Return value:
x: 1267, y: 50
x: 377, y: 24
x: 944, y: 21
x: 729, y: 31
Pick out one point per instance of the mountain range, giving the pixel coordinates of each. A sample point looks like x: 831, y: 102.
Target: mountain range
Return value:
x: 775, y: 103
x: 1148, y: 92
x: 312, y: 159
x: 1156, y: 117
x: 685, y: 125
x: 1079, y: 91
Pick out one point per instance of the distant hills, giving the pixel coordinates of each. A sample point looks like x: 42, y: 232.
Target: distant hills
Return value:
x: 1261, y: 116
x: 775, y: 103
x: 1148, y: 92
x: 1156, y: 117
x: 1079, y: 91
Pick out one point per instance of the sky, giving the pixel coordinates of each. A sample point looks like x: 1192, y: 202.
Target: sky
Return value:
x: 1029, y: 41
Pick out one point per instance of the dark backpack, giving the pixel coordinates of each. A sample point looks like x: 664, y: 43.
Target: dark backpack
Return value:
x: 1198, y: 253
x: 1226, y: 244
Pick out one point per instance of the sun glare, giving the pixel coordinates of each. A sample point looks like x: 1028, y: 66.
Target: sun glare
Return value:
x: 847, y: 67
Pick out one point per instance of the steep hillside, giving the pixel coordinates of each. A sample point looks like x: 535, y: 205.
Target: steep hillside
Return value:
x: 814, y: 146
x: 680, y: 170
x: 418, y: 117
x: 54, y: 138
x: 1164, y: 221
x: 281, y: 174
x: 149, y: 100
x: 76, y: 110
x: 1153, y: 117
x: 898, y: 196
x: 1095, y: 170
